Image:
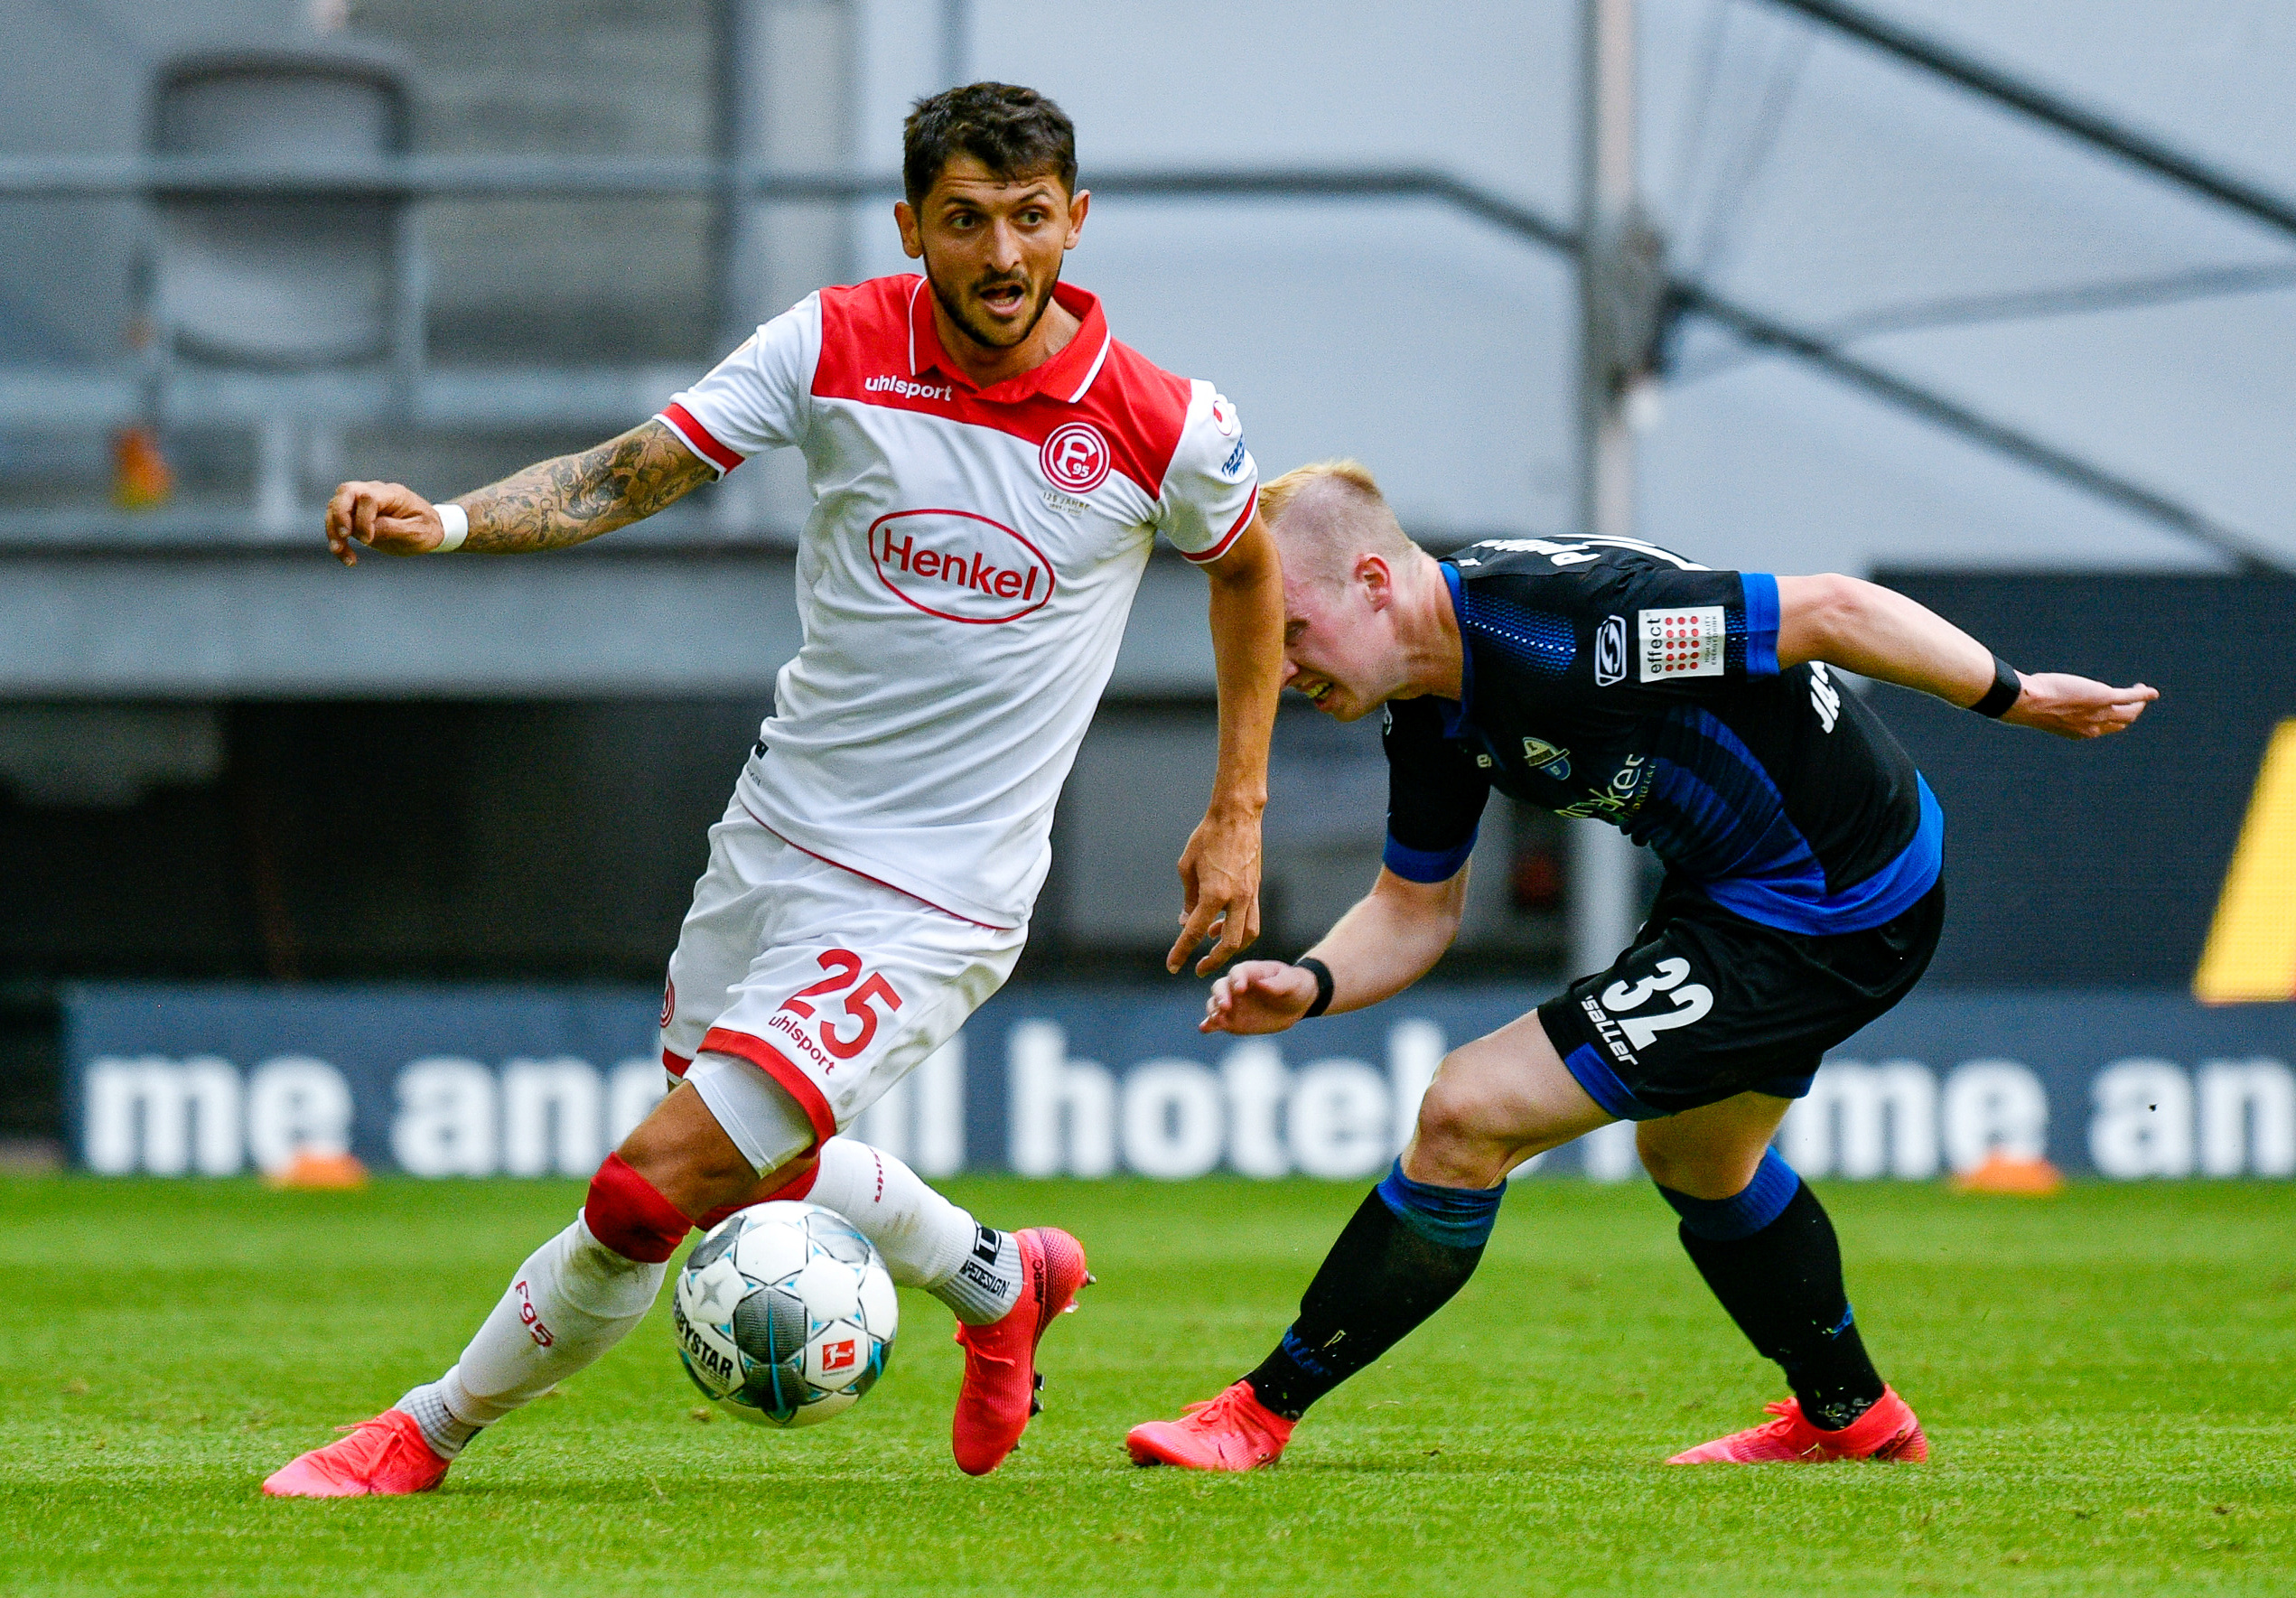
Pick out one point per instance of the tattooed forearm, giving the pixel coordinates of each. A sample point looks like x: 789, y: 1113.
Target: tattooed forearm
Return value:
x: 575, y: 497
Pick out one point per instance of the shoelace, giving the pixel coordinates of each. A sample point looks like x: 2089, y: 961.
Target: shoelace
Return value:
x: 1789, y: 1419
x: 377, y: 1423
x: 1228, y: 1409
x: 972, y: 1348
x: 392, y: 1436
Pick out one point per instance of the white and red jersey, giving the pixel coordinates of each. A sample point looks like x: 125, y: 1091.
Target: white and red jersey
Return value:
x: 964, y: 577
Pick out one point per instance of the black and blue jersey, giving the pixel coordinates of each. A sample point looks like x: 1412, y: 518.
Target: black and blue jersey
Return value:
x: 1607, y: 678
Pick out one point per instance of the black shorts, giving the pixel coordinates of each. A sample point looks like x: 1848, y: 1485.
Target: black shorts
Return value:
x: 1708, y: 1004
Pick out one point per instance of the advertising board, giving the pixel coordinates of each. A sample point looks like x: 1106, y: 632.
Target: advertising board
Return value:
x: 1098, y: 1081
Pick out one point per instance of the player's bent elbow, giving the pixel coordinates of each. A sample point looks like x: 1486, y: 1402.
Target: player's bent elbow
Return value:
x: 1443, y: 931
x: 1818, y: 616
x: 1247, y: 564
x: 1442, y: 900
x: 1424, y: 916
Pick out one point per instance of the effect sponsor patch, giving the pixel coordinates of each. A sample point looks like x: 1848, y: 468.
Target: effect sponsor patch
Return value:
x: 1681, y: 644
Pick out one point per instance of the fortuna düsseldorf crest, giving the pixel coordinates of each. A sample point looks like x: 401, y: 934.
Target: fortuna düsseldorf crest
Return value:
x: 1076, y: 457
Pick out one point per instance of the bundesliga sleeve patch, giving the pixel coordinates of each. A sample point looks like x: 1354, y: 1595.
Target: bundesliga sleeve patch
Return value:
x: 1681, y: 644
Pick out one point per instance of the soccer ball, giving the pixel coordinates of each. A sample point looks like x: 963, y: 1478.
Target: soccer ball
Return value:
x: 784, y: 1314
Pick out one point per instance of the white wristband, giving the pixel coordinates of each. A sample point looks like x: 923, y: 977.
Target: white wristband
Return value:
x: 457, y: 523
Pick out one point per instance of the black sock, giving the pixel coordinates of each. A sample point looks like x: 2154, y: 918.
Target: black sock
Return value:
x: 1781, y: 1282
x: 1408, y: 1250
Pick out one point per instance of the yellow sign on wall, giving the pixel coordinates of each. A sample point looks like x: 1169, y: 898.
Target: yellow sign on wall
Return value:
x: 2251, y: 955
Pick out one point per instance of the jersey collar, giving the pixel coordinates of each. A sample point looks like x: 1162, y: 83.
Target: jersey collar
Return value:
x: 1067, y: 376
x: 1455, y: 715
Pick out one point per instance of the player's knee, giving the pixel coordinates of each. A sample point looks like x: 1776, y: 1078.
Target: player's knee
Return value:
x: 629, y: 1215
x: 1453, y: 1117
x: 683, y: 1155
x: 1659, y: 1162
x: 1698, y: 1173
x: 793, y: 1181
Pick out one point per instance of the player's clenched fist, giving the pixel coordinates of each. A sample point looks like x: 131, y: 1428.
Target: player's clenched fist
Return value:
x: 388, y: 517
x: 1258, y: 995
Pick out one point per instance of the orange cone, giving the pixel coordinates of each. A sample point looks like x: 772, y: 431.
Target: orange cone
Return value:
x: 2007, y: 1173
x: 311, y: 1172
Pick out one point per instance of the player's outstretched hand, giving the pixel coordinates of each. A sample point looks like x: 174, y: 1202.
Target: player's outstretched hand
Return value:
x: 1258, y: 995
x: 1219, y: 884
x: 388, y: 517
x: 2075, y: 708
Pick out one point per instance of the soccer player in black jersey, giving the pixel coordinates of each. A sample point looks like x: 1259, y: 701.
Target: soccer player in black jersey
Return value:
x: 1695, y: 709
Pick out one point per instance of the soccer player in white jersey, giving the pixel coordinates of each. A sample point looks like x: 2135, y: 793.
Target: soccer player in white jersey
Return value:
x: 990, y: 470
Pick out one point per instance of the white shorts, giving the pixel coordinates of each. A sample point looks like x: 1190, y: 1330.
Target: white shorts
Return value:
x: 831, y: 983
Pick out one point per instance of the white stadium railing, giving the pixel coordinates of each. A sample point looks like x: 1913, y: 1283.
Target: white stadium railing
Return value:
x: 405, y: 392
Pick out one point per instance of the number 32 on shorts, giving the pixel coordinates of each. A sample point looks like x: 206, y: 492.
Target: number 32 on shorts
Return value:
x: 845, y: 968
x: 1691, y: 1002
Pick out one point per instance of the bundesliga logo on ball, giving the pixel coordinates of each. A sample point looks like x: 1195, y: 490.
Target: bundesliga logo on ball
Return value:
x: 784, y: 1314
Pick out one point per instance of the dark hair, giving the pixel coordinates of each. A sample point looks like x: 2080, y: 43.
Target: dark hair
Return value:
x: 1014, y: 132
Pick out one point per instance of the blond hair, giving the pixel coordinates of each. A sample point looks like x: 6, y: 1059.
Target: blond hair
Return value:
x: 1326, y: 514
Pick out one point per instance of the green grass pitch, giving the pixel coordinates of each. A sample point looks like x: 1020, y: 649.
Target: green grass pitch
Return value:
x: 2105, y: 1378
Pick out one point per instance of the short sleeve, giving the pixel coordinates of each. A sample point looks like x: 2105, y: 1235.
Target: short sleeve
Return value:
x: 1436, y: 794
x: 1619, y: 617
x: 1212, y: 486
x: 756, y: 398
x: 1682, y: 626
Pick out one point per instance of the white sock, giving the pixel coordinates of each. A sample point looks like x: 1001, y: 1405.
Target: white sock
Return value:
x: 928, y: 1242
x: 571, y: 1299
x: 447, y: 1433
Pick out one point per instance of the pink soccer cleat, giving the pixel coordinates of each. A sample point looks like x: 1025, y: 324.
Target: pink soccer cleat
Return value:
x: 385, y: 1456
x: 1001, y: 1383
x: 1234, y: 1432
x: 1886, y: 1433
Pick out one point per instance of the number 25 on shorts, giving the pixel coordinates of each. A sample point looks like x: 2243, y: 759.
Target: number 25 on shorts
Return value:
x: 845, y: 968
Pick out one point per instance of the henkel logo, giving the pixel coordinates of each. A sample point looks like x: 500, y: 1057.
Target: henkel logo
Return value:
x: 959, y: 566
x: 840, y: 1356
x: 1076, y: 457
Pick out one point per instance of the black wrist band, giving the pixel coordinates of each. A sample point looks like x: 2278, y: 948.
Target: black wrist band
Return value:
x: 2003, y: 694
x: 1322, y: 975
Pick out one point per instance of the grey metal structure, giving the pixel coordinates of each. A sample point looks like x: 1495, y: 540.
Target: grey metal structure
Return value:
x: 282, y: 281
x: 1622, y: 295
x: 783, y: 172
x: 51, y: 177
x: 257, y: 280
x: 1375, y: 247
